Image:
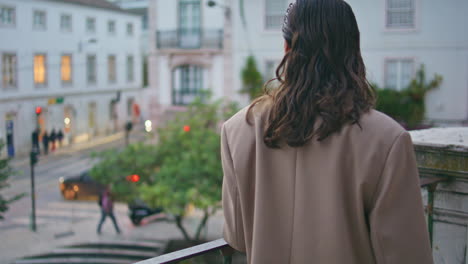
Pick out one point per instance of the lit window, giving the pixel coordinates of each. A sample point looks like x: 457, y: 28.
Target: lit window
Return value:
x: 9, y: 70
x: 7, y: 16
x: 274, y: 13
x: 400, y: 14
x: 65, y: 23
x: 66, y: 68
x: 111, y: 27
x: 91, y: 25
x: 40, y: 71
x: 91, y: 69
x: 112, y: 76
x: 130, y: 73
x: 129, y: 29
x: 398, y: 73
x: 39, y: 20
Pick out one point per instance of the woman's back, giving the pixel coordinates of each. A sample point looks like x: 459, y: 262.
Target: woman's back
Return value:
x: 351, y: 198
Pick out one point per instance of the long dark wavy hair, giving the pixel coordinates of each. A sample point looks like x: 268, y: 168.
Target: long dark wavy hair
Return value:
x: 321, y: 76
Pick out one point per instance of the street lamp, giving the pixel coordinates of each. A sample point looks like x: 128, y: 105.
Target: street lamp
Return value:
x: 227, y: 9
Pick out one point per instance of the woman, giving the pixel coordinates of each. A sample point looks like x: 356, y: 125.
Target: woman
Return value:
x: 312, y: 174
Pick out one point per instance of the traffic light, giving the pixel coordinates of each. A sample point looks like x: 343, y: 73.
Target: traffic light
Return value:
x: 38, y: 110
x: 133, y: 178
x: 33, y: 157
x: 187, y: 128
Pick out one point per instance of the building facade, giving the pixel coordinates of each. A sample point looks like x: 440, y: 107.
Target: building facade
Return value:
x: 397, y: 37
x: 76, y: 62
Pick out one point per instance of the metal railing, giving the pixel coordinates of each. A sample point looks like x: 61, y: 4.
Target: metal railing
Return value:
x: 190, y: 39
x: 430, y: 183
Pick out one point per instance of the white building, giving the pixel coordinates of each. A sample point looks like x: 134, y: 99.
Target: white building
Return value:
x: 397, y: 37
x: 189, y: 52
x: 78, y: 60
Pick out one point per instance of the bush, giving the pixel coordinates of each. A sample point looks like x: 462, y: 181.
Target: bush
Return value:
x: 408, y: 105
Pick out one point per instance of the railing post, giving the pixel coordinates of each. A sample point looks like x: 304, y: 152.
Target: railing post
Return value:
x: 430, y: 209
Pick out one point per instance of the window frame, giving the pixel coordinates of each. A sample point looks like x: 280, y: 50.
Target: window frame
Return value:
x: 191, y: 85
x: 109, y: 72
x: 109, y: 22
x: 129, y: 25
x: 15, y: 73
x: 13, y: 24
x: 70, y: 29
x: 46, y: 79
x: 89, y: 18
x: 415, y: 27
x: 264, y: 17
x: 130, y: 73
x: 399, y: 60
x: 88, y: 80
x: 39, y: 27
x: 70, y: 82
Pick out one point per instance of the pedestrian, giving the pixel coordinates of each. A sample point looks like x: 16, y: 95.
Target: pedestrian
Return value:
x: 45, y: 142
x: 53, y: 138
x: 60, y: 137
x: 312, y: 173
x: 107, y: 209
x: 35, y: 141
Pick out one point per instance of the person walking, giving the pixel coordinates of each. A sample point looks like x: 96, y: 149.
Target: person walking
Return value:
x: 60, y: 137
x: 312, y: 173
x: 107, y: 209
x: 53, y: 138
x: 45, y: 142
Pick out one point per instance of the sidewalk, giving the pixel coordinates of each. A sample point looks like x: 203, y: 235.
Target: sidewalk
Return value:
x: 18, y: 243
x: 75, y: 147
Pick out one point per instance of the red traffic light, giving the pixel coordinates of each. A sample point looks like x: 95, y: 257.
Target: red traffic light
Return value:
x: 38, y: 110
x: 187, y: 128
x: 133, y: 178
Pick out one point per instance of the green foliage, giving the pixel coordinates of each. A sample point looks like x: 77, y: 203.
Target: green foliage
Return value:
x: 183, y: 169
x: 114, y: 167
x: 252, y: 80
x: 407, y: 106
x: 5, y: 172
x: 190, y: 172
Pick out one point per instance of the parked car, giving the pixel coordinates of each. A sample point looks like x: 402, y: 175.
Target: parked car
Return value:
x: 81, y: 187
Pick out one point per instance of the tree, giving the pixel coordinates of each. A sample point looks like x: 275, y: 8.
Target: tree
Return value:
x: 408, y: 105
x: 183, y: 169
x: 252, y: 80
x: 190, y: 171
x: 5, y: 172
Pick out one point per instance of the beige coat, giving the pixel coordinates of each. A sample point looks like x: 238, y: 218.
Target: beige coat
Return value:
x: 353, y: 198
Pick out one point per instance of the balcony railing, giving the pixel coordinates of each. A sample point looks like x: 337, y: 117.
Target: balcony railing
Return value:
x: 227, y: 252
x: 190, y: 39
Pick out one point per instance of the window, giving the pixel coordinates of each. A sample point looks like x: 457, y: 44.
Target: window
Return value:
x: 144, y: 22
x: 39, y: 20
x: 129, y: 29
x: 7, y: 16
x: 40, y: 69
x: 130, y: 73
x: 91, y: 25
x: 274, y: 14
x: 66, y: 23
x: 400, y: 14
x: 9, y: 68
x: 188, y: 84
x: 111, y: 74
x: 398, y: 73
x: 111, y: 27
x: 190, y: 24
x: 66, y: 68
x: 270, y: 69
x: 91, y: 69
